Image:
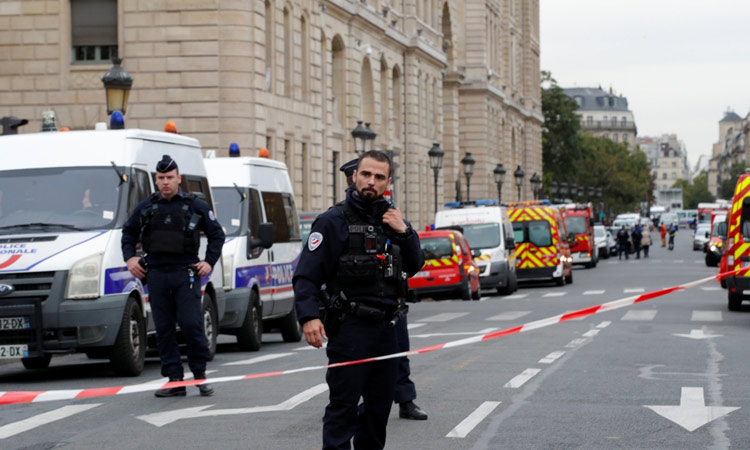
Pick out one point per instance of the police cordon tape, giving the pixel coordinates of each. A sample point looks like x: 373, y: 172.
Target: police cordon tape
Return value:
x: 15, y: 397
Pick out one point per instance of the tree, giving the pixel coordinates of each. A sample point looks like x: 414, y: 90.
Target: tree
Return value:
x: 560, y: 137
x: 726, y: 190
x: 695, y: 192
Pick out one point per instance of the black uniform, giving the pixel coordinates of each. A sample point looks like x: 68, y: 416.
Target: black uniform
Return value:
x: 170, y: 233
x: 337, y: 254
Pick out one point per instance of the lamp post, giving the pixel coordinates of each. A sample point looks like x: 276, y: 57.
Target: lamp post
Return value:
x: 117, y: 83
x: 468, y: 163
x: 535, y: 182
x: 436, y: 162
x: 359, y: 133
x: 563, y: 190
x: 553, y: 187
x: 518, y: 174
x: 499, y: 174
x: 370, y: 136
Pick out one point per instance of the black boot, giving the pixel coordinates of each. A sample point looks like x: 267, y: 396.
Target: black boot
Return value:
x: 205, y: 389
x: 172, y: 392
x: 409, y: 410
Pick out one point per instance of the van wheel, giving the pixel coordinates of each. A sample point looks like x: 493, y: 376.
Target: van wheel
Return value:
x: 735, y: 301
x: 290, y: 328
x: 249, y: 337
x: 129, y: 350
x: 37, y: 362
x: 569, y: 278
x: 560, y: 281
x: 478, y: 293
x: 724, y: 283
x: 465, y: 290
x: 210, y: 324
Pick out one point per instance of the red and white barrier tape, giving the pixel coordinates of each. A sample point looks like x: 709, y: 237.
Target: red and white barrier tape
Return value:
x: 13, y: 397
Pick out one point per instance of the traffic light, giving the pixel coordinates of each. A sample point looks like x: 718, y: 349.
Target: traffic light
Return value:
x: 10, y: 124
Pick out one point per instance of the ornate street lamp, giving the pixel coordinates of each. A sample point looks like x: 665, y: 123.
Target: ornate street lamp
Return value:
x: 436, y: 162
x: 553, y: 187
x: 499, y: 174
x: 117, y: 83
x: 359, y: 133
x: 468, y: 163
x: 370, y: 136
x: 563, y: 189
x: 518, y: 174
x: 535, y: 182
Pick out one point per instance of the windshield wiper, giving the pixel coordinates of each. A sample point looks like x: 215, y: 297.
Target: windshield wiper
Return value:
x: 122, y: 177
x: 42, y: 225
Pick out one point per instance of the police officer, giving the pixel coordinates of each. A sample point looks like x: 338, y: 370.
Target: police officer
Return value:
x: 406, y: 392
x: 363, y: 250
x: 168, y: 225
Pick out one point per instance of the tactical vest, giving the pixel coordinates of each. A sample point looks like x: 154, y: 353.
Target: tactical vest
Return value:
x: 370, y: 266
x: 169, y: 233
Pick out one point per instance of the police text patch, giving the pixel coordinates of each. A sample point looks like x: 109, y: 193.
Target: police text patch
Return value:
x: 314, y: 241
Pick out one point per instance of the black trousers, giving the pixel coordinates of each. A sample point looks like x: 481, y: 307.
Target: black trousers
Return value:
x: 405, y: 390
x: 174, y: 302
x: 374, y: 382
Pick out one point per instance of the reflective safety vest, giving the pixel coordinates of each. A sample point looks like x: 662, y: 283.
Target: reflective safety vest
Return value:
x: 167, y: 233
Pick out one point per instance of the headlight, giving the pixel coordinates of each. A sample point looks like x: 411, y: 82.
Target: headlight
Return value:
x: 84, y: 277
x: 713, y: 248
x: 227, y: 263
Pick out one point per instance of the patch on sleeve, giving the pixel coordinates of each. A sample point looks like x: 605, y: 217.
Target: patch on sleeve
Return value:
x: 314, y: 241
x: 211, y: 215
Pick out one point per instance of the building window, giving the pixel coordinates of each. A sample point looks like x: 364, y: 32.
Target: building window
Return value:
x: 305, y: 58
x: 93, y: 30
x: 664, y: 176
x: 339, y: 80
x: 624, y: 137
x: 396, y: 102
x: 288, y: 55
x: 614, y: 121
x: 624, y: 121
x: 674, y: 164
x: 616, y: 137
x: 590, y: 120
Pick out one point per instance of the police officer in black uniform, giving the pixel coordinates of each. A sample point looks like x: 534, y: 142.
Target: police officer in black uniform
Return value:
x: 168, y: 225
x: 363, y: 251
x: 406, y: 392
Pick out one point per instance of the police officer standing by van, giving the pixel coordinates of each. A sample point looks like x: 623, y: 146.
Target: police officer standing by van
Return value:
x: 168, y: 225
x: 363, y: 251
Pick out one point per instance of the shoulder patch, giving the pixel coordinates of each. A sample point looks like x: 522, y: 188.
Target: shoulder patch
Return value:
x: 211, y: 215
x: 314, y: 241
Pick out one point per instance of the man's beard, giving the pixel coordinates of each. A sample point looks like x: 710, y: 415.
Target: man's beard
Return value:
x: 372, y: 194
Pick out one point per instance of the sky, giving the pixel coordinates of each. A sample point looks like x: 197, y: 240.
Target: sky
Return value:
x: 680, y: 63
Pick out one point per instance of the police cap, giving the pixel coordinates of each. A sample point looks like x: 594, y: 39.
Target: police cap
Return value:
x: 349, y: 167
x: 167, y: 164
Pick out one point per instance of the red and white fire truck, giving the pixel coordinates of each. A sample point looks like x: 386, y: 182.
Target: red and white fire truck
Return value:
x: 579, y: 219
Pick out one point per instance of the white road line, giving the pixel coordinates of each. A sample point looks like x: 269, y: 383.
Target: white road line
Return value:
x: 444, y: 317
x: 19, y: 427
x: 520, y: 380
x: 593, y: 292
x: 310, y: 347
x: 640, y: 315
x: 411, y: 326
x: 459, y: 333
x: 591, y: 333
x: 516, y: 296
x: 710, y: 288
x: 706, y: 316
x: 510, y: 315
x: 633, y: 290
x: 258, y: 359
x: 679, y: 261
x: 575, y: 343
x: 552, y: 357
x: 604, y: 324
x: 469, y: 423
x: 554, y: 294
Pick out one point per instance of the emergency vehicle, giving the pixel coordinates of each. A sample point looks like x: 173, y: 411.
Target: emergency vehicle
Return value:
x: 449, y: 266
x: 542, y: 242
x: 706, y: 210
x: 738, y: 245
x: 64, y: 287
x: 254, y: 197
x: 717, y: 236
x: 486, y: 227
x: 579, y: 220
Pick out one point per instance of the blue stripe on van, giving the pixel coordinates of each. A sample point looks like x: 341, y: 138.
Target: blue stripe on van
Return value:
x: 264, y: 274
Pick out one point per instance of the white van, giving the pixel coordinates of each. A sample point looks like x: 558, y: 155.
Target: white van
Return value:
x: 486, y: 228
x: 259, y: 257
x: 64, y: 287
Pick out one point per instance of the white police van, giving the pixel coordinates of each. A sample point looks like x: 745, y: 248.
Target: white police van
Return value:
x: 64, y: 287
x: 486, y: 227
x: 255, y: 204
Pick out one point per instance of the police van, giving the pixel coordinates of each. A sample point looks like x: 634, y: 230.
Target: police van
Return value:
x: 255, y: 204
x: 486, y: 227
x: 64, y: 287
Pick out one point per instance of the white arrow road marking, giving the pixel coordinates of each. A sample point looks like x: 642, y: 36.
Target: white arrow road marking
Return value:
x: 698, y: 334
x: 692, y: 412
x: 15, y: 428
x: 258, y: 359
x: 522, y: 378
x: 166, y: 417
x: 706, y: 316
x: 468, y: 424
x: 444, y: 317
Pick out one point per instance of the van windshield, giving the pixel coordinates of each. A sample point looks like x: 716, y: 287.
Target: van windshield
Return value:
x: 228, y: 208
x: 536, y: 232
x: 576, y: 224
x: 436, y: 248
x: 74, y: 198
x: 482, y: 235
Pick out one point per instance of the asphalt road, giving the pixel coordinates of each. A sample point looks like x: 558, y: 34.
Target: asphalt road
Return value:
x: 670, y: 372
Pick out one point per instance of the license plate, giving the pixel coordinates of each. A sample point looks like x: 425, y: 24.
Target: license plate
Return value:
x: 421, y: 274
x: 14, y: 351
x: 14, y: 323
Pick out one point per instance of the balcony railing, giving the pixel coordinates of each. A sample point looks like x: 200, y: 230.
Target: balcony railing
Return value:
x: 607, y: 125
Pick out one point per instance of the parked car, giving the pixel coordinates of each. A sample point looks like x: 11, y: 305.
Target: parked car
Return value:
x: 449, y: 269
x: 701, y: 236
x: 604, y: 241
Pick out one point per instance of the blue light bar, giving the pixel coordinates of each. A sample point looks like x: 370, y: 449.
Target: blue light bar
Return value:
x: 234, y: 150
x: 116, y: 122
x: 486, y: 202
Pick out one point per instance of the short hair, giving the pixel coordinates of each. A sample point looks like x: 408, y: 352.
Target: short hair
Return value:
x: 377, y: 155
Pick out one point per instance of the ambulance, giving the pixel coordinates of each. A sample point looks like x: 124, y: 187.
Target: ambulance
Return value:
x: 737, y: 251
x: 542, y: 242
x: 486, y: 227
x: 64, y: 287
x: 579, y: 220
x: 255, y: 205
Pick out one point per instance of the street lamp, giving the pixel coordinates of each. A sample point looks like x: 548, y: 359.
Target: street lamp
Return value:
x: 468, y: 163
x: 499, y: 174
x: 563, y: 190
x: 436, y: 162
x: 518, y: 174
x: 359, y: 133
x: 535, y: 182
x: 370, y: 135
x: 553, y: 187
x: 117, y: 83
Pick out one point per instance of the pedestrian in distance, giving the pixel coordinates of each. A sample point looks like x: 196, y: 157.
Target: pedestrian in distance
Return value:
x: 635, y: 236
x: 645, y: 241
x: 672, y: 233
x: 622, y: 243
x: 363, y: 251
x: 406, y: 391
x: 663, y: 233
x: 168, y: 225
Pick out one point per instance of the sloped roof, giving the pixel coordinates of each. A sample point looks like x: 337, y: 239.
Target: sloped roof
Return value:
x: 730, y: 116
x: 596, y: 99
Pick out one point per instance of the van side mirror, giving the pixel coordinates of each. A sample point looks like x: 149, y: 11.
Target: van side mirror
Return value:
x: 510, y: 243
x: 265, y: 237
x: 591, y: 222
x: 475, y: 253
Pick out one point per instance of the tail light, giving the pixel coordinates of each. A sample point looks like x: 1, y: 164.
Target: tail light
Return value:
x: 730, y: 260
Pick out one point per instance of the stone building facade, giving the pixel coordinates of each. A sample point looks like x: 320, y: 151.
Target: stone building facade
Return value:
x: 731, y: 150
x: 605, y: 114
x: 294, y: 76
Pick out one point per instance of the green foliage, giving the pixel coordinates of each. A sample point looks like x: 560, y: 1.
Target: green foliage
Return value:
x: 695, y: 192
x: 726, y: 190
x: 560, y: 138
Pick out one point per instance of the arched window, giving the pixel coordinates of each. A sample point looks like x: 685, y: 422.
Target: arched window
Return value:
x: 269, y: 46
x: 396, y: 82
x: 339, y: 80
x: 385, y: 121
